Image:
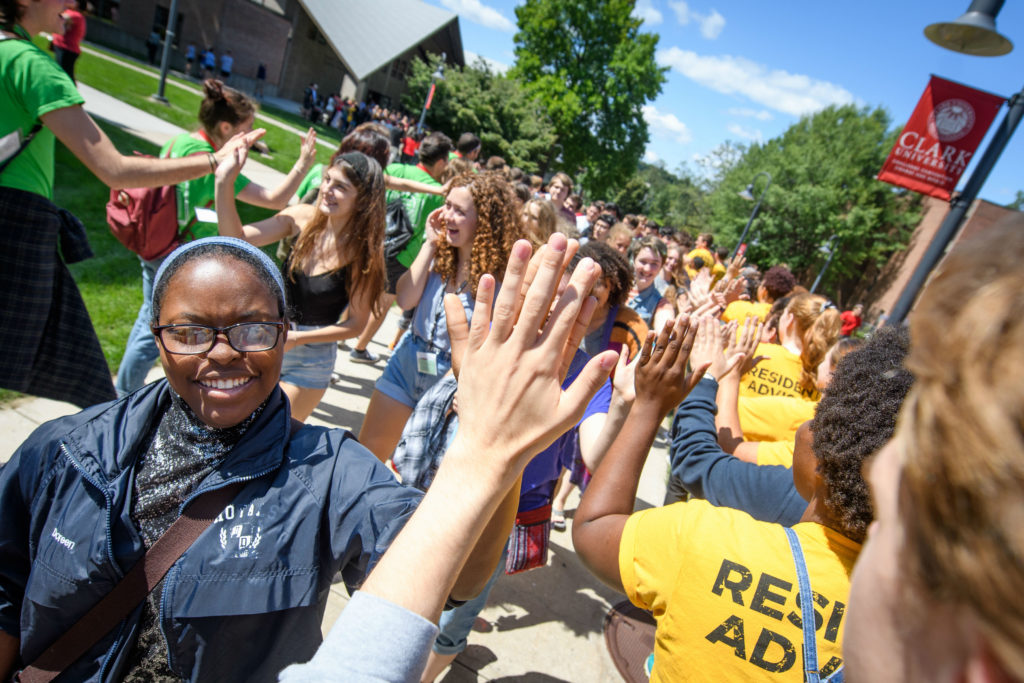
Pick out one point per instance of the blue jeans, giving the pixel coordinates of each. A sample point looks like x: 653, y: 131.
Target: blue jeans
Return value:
x: 455, y: 624
x: 141, y: 349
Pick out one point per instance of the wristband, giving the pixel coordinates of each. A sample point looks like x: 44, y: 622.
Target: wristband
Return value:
x: 213, y: 162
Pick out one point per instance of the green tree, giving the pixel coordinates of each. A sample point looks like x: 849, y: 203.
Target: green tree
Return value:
x: 509, y: 121
x: 823, y: 183
x: 593, y: 70
x: 1018, y: 202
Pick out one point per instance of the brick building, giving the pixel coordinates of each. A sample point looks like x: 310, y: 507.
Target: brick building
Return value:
x: 361, y: 49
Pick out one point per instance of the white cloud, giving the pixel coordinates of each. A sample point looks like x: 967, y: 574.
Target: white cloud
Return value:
x: 711, y: 24
x: 496, y: 66
x: 647, y: 12
x: 759, y: 114
x: 482, y: 14
x: 776, y: 89
x: 666, y: 124
x: 651, y: 157
x: 746, y: 133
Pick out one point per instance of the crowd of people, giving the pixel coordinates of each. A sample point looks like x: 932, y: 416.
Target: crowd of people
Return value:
x: 839, y: 506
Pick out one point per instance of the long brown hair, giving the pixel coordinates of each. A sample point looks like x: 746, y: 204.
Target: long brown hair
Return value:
x: 363, y: 237
x: 818, y: 324
x: 497, y: 228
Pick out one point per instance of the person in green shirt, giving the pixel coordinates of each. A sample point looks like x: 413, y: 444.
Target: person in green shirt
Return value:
x: 223, y: 113
x: 49, y: 347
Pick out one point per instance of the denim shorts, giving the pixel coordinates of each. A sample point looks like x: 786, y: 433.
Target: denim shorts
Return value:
x: 309, y: 366
x: 401, y: 380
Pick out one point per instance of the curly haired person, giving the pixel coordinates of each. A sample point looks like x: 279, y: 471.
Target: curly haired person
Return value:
x: 471, y: 235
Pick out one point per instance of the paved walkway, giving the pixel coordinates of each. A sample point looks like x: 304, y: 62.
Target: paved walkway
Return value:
x: 544, y: 625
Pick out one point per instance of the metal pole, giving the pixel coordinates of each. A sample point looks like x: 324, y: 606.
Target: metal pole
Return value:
x: 828, y: 262
x: 753, y: 214
x: 166, y: 57
x: 958, y: 209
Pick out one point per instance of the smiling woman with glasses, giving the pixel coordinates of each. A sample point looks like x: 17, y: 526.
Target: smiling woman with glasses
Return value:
x: 87, y: 495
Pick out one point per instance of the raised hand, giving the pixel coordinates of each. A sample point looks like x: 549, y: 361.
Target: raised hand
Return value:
x: 661, y: 378
x: 245, y: 140
x: 744, y: 344
x: 709, y: 345
x: 510, y: 398
x: 231, y: 165
x: 307, y: 155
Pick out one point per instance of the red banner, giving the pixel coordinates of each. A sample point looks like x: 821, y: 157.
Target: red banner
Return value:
x: 430, y: 97
x: 940, y: 138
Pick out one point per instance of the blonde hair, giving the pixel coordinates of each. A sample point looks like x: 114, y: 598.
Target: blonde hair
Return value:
x: 818, y: 324
x: 962, y: 428
x: 547, y: 218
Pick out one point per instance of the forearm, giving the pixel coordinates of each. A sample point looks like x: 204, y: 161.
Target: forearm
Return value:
x: 594, y: 451
x: 228, y: 222
x: 727, y: 421
x: 406, y: 185
x: 491, y: 541
x: 612, y: 491
x: 414, y: 281
x: 277, y: 197
x: 438, y: 539
x: 351, y: 327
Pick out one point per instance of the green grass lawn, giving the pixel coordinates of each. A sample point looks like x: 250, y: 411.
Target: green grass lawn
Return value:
x: 135, y: 88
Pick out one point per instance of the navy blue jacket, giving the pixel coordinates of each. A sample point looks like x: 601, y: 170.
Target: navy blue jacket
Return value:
x: 248, y: 597
x: 765, y: 492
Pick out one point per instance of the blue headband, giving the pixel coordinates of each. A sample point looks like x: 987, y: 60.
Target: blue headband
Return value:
x: 230, y: 242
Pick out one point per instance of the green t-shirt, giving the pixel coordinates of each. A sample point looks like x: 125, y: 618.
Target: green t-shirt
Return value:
x: 198, y: 192
x: 418, y: 206
x: 311, y: 181
x: 31, y: 84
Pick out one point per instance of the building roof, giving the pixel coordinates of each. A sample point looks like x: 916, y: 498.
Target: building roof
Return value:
x: 368, y: 35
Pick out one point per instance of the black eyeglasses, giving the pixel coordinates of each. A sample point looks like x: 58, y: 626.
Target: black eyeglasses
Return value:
x: 191, y: 340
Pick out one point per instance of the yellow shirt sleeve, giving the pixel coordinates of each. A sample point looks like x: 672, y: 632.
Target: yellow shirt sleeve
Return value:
x: 775, y: 453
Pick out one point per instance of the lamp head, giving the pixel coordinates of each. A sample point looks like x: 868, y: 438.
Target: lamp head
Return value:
x: 747, y: 193
x: 974, y: 33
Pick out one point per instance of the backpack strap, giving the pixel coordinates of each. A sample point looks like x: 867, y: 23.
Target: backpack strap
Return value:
x: 131, y: 590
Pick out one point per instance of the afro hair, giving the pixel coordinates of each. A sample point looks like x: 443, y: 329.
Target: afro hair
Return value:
x: 854, y: 419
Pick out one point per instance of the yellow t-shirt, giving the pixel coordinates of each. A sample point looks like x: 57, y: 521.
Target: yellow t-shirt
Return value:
x: 723, y: 589
x: 773, y: 418
x: 776, y: 453
x: 777, y: 375
x: 741, y: 310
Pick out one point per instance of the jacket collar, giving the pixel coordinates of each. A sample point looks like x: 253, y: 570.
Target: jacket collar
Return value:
x: 107, y: 446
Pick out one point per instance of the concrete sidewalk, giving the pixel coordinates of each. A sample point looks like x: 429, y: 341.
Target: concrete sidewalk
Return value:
x: 544, y: 625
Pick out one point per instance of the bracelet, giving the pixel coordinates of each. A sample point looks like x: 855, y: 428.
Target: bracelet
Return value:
x: 213, y: 162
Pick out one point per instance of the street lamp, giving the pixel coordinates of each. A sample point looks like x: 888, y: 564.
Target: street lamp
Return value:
x: 829, y: 248
x: 165, y: 58
x: 981, y: 17
x: 438, y: 75
x: 748, y: 194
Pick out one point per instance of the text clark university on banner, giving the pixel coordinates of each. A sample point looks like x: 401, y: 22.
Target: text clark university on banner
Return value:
x: 940, y: 138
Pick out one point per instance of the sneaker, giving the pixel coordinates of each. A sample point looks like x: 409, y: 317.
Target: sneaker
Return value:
x: 363, y: 356
x: 558, y: 520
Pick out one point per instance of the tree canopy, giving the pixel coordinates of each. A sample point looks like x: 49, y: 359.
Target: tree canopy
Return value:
x: 509, y: 121
x: 823, y: 184
x: 592, y: 70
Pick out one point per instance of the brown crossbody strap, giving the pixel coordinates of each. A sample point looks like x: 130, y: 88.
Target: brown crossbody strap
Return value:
x: 132, y: 589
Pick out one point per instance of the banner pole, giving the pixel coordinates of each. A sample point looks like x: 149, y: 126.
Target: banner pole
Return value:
x: 958, y: 209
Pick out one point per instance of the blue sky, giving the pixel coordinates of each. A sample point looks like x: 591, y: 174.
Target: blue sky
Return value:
x: 743, y: 70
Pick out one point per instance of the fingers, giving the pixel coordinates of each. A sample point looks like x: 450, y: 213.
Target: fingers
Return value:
x: 505, y: 307
x: 571, y: 247
x: 458, y: 326
x: 578, y: 394
x: 576, y: 334
x: 647, y: 350
x: 538, y: 299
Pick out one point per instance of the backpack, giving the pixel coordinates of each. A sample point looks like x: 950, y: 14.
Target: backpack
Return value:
x: 147, y: 221
x: 398, y: 229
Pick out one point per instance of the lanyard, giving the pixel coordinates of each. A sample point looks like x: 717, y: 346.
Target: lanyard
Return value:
x: 204, y: 136
x: 438, y: 308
